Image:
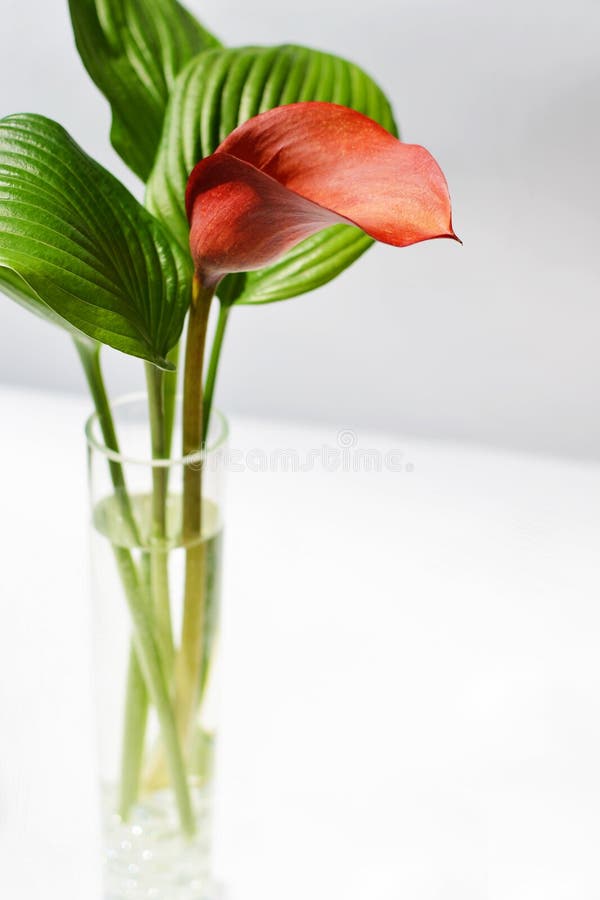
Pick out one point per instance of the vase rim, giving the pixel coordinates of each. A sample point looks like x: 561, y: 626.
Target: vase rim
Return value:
x: 198, y: 457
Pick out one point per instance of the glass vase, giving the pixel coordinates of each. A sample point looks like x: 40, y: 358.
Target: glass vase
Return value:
x: 156, y: 538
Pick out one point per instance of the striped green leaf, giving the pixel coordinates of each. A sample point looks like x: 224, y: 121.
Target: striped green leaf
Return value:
x: 77, y: 249
x: 134, y: 50
x: 218, y: 91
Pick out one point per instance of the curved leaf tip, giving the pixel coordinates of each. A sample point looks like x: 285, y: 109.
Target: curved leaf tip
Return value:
x: 133, y: 52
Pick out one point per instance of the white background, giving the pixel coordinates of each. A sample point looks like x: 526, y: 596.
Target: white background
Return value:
x: 495, y: 341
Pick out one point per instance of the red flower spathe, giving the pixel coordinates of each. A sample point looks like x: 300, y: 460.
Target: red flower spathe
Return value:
x: 294, y: 170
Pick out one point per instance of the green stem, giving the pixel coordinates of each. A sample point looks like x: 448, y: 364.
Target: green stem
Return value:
x: 136, y: 702
x: 213, y: 365
x: 159, y: 556
x: 136, y: 718
x: 170, y: 394
x: 189, y: 659
x: 149, y: 657
x: 89, y: 355
x: 147, y: 652
x: 134, y: 733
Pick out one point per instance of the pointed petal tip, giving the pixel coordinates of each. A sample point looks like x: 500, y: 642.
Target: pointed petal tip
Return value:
x: 452, y: 234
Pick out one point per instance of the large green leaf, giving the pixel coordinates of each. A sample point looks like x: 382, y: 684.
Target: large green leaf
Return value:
x: 134, y: 50
x: 79, y: 250
x: 218, y: 91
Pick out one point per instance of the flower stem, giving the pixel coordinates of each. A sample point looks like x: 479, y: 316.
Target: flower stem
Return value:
x: 189, y: 660
x: 213, y: 365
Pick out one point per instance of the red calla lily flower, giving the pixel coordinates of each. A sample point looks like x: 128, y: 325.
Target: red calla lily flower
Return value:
x: 294, y: 170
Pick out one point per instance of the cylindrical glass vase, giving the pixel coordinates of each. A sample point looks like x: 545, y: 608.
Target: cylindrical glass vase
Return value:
x: 156, y: 526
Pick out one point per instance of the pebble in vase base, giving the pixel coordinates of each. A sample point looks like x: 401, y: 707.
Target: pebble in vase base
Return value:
x: 148, y: 858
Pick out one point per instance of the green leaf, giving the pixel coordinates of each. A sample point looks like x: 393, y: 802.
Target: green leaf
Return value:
x: 134, y: 50
x: 218, y: 91
x: 77, y: 249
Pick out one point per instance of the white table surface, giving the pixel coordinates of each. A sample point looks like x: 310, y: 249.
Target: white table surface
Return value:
x: 411, y: 703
